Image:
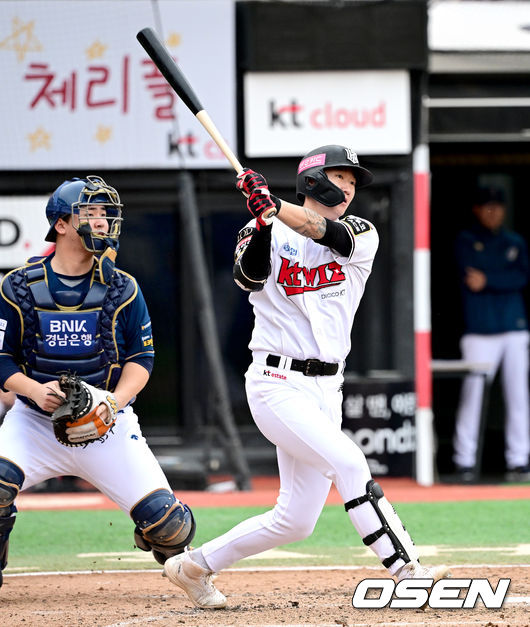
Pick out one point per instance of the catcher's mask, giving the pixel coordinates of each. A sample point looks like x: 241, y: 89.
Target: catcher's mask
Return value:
x: 78, y: 197
x: 312, y: 179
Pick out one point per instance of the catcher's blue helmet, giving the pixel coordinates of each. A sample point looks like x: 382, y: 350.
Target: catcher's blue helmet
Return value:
x: 74, y: 197
x: 60, y: 204
x: 312, y: 180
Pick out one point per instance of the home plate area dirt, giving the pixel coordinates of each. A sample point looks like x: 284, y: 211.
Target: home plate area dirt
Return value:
x: 301, y: 597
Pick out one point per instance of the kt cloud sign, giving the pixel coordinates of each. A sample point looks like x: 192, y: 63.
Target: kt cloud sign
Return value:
x: 289, y: 113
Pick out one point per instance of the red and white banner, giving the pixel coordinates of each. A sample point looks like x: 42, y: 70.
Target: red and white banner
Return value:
x: 80, y: 92
x: 287, y: 113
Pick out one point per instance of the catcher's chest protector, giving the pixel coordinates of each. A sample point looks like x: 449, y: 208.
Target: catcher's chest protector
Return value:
x: 54, y: 335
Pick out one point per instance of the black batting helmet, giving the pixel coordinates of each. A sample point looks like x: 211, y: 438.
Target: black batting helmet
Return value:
x: 312, y: 180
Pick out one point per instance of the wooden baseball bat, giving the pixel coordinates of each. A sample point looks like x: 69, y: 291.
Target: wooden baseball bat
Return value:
x: 174, y: 76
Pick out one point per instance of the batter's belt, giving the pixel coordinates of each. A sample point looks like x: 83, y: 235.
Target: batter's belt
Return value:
x: 308, y: 367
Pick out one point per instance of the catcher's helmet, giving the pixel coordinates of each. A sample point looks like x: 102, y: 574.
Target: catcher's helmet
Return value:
x: 74, y: 197
x: 312, y: 180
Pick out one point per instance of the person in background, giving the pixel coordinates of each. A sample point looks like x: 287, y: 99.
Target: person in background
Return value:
x: 493, y: 266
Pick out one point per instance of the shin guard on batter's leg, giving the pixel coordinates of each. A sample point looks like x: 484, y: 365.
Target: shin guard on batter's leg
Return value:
x: 164, y: 525
x: 398, y: 549
x: 11, y: 480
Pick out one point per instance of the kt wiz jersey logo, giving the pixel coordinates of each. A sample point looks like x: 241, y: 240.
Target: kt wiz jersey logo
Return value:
x: 297, y: 280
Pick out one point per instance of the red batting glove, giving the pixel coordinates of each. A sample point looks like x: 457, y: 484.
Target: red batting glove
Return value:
x: 263, y: 206
x: 249, y: 182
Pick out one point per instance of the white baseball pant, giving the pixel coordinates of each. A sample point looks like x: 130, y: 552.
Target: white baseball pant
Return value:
x: 302, y: 416
x: 122, y: 467
x: 510, y: 349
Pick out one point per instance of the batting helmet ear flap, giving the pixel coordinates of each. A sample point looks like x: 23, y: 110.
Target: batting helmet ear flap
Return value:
x: 318, y: 186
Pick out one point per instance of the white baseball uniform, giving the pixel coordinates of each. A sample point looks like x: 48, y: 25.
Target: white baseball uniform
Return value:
x: 27, y: 439
x: 511, y: 350
x: 305, y: 311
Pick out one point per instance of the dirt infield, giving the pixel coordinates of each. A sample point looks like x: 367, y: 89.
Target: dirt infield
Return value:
x: 300, y: 597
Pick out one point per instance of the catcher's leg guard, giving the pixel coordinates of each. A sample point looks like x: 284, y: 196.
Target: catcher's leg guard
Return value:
x: 164, y: 525
x: 11, y: 480
x: 391, y: 525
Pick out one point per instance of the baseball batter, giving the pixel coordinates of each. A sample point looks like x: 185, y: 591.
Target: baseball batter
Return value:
x: 306, y: 271
x: 74, y: 311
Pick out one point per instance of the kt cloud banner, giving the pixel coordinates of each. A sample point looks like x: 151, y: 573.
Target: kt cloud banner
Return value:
x: 288, y: 113
x: 78, y: 90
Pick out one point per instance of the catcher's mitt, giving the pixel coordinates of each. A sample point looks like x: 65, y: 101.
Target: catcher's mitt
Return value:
x: 75, y: 422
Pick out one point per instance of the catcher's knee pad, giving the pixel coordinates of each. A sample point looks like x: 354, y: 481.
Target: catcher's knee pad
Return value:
x: 11, y: 480
x: 391, y: 525
x: 164, y: 525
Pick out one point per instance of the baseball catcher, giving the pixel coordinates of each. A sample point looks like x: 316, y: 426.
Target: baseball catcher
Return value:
x: 86, y: 415
x: 75, y: 311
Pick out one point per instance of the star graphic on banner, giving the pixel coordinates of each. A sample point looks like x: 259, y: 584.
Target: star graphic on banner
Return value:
x: 22, y: 39
x: 103, y: 134
x: 173, y: 40
x: 96, y: 50
x: 39, y: 139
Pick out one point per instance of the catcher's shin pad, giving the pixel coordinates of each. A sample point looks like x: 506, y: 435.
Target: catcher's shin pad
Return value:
x: 75, y: 422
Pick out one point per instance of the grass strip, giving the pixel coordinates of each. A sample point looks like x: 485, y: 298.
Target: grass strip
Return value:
x: 53, y: 540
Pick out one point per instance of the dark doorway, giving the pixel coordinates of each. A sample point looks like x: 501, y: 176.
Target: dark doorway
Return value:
x: 456, y: 171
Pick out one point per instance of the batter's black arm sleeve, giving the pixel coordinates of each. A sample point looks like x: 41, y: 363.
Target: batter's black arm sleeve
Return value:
x: 252, y: 258
x: 338, y: 237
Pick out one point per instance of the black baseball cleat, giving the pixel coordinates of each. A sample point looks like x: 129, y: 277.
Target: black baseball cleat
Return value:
x: 520, y: 474
x: 464, y: 474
